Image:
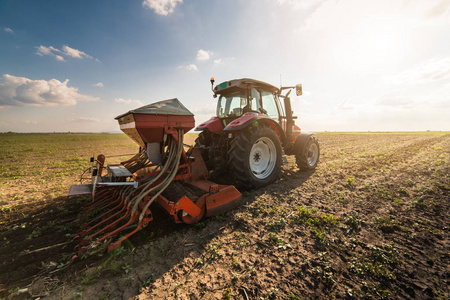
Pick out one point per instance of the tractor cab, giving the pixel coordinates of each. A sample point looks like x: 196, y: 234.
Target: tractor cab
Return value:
x: 251, y: 131
x: 240, y: 96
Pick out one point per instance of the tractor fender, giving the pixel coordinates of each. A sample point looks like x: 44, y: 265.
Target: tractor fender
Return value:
x: 214, y: 125
x: 301, y: 141
x: 253, y: 118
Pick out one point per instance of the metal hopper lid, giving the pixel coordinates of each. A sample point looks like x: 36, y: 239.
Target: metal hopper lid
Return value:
x: 165, y: 107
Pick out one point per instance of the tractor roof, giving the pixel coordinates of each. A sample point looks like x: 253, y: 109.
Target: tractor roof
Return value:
x: 244, y: 83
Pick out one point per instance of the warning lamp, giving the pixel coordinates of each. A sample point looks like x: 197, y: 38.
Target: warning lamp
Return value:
x: 212, y: 86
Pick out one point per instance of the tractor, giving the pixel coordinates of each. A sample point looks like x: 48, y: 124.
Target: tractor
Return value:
x: 251, y: 133
x: 246, y: 139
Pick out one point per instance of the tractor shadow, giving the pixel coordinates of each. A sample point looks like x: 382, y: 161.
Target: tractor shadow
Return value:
x: 37, y: 238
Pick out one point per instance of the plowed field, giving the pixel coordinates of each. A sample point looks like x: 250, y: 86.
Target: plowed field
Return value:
x: 372, y: 222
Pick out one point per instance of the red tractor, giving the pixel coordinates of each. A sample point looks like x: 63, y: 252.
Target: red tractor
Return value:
x: 246, y: 139
x: 250, y: 133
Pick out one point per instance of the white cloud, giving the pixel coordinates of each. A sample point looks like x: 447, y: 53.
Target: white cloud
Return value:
x: 191, y: 67
x: 203, y: 54
x: 65, y: 50
x: 20, y: 91
x: 74, y: 52
x: 161, y: 7
x: 7, y: 29
x: 100, y: 84
x: 31, y: 122
x: 128, y: 101
x: 42, y: 50
x: 429, y: 71
x: 84, y: 120
x: 218, y: 61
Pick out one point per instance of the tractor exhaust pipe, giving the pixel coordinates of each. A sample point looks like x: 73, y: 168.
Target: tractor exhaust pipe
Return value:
x: 289, y: 117
x: 289, y: 113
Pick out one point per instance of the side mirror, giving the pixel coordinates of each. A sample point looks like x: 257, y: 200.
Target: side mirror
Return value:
x: 298, y: 88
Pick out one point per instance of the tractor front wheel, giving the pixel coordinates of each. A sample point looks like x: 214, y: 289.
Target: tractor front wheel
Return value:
x: 254, y: 157
x: 308, y: 157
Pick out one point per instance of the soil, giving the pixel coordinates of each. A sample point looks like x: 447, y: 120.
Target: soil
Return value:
x: 372, y: 221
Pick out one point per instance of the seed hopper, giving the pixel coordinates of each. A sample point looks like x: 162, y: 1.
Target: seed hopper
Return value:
x: 164, y: 172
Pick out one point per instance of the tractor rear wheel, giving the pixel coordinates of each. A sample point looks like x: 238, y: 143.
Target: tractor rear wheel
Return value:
x: 308, y: 158
x: 254, y: 157
x: 203, y: 140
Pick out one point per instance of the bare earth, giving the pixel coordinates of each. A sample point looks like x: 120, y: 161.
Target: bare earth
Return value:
x: 372, y: 222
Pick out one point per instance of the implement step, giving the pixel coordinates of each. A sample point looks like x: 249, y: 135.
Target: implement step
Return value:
x: 80, y: 189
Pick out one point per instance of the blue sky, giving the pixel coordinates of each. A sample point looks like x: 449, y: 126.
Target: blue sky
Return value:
x: 364, y: 65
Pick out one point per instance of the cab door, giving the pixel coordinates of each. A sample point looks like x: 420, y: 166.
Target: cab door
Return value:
x: 270, y: 105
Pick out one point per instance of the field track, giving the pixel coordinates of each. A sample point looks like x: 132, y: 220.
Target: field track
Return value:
x: 371, y: 222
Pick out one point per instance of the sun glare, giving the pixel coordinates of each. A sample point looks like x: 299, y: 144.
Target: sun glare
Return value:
x: 372, y: 44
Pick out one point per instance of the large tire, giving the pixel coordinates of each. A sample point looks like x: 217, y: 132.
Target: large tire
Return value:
x: 308, y: 157
x: 203, y: 139
x: 202, y: 142
x: 254, y: 157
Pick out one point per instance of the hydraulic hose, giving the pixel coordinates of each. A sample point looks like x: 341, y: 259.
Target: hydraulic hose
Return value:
x: 144, y: 191
x: 172, y: 162
x: 173, y: 172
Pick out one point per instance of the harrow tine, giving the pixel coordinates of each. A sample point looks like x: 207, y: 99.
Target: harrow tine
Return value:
x: 141, y: 223
x: 131, y: 221
x: 108, y: 235
x: 109, y: 227
x: 108, y: 202
x: 96, y: 211
x: 84, y: 232
x: 109, y: 194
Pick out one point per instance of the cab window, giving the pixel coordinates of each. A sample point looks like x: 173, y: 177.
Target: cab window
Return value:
x: 231, y: 106
x: 269, y: 104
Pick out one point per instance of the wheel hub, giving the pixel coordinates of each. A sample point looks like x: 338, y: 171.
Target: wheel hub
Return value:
x: 256, y: 157
x: 313, y: 154
x: 262, y: 158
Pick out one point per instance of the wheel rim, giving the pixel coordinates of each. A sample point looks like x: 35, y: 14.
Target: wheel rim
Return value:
x: 263, y: 158
x: 313, y: 154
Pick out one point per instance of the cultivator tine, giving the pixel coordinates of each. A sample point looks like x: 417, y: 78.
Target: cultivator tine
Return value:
x: 112, y: 226
x: 99, y: 206
x: 104, y: 221
x: 92, y: 238
x: 104, y: 202
x: 99, y: 199
x: 140, y: 225
x: 104, y: 215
